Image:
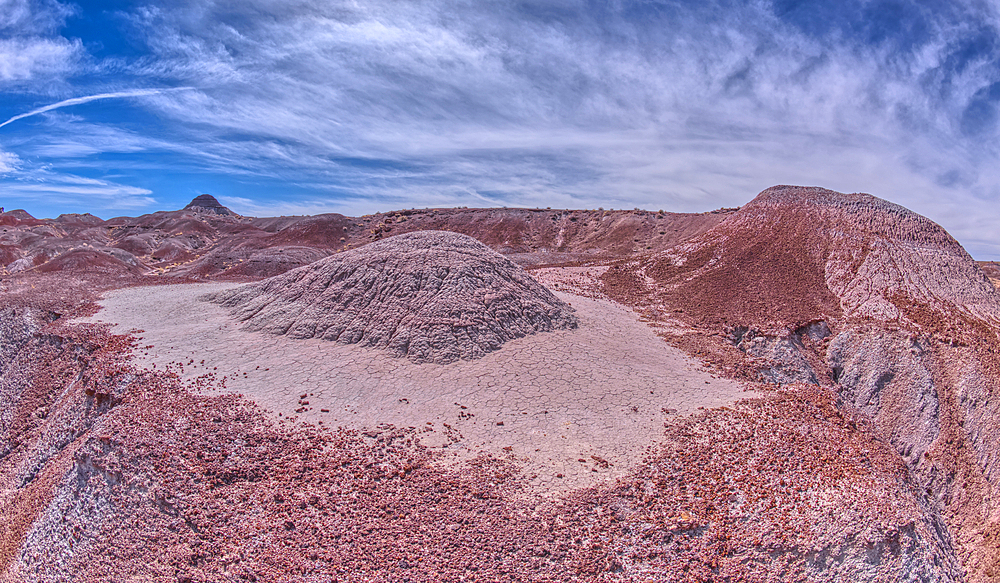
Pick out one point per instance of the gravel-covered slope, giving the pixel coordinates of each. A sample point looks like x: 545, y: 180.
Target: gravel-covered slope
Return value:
x: 119, y: 474
x: 867, y: 298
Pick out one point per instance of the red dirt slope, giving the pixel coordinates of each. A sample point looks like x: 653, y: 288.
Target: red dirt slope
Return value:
x: 868, y: 298
x: 795, y: 255
x: 116, y: 474
x: 87, y: 260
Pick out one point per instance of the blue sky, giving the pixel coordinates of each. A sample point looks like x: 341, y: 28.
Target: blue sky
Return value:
x: 293, y: 107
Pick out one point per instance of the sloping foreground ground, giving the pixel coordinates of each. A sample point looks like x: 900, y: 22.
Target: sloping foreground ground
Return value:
x: 116, y: 473
x: 600, y: 392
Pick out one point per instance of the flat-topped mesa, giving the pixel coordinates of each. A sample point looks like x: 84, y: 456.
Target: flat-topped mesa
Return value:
x: 433, y: 296
x: 206, y: 203
x: 799, y: 254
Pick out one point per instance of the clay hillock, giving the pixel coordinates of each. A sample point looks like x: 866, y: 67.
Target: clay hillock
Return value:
x: 432, y: 296
x: 206, y: 203
x: 275, y: 224
x: 271, y: 261
x: 18, y: 217
x: 81, y: 227
x: 328, y: 231
x: 8, y: 254
x: 992, y: 271
x: 84, y: 220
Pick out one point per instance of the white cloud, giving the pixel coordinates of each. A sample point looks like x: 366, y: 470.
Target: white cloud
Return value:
x: 62, y: 190
x: 23, y: 59
x: 123, y: 195
x: 9, y: 162
x: 88, y: 99
x: 30, y: 49
x: 28, y: 17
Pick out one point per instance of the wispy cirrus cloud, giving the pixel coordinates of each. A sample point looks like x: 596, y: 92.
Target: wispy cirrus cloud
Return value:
x: 77, y: 192
x: 8, y: 162
x: 25, y: 59
x: 30, y: 48
x: 617, y: 92
x: 33, y: 16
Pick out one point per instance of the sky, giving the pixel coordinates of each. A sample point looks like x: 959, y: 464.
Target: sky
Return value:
x: 281, y: 107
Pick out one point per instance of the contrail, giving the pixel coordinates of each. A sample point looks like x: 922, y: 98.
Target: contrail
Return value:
x: 88, y: 99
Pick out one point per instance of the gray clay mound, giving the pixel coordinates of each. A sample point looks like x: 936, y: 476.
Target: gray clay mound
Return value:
x: 433, y: 296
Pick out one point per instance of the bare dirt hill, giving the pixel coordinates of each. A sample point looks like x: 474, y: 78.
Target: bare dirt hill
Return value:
x: 795, y: 255
x: 992, y: 271
x: 432, y: 296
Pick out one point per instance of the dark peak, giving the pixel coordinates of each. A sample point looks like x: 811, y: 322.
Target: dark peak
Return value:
x: 205, y: 200
x: 206, y: 203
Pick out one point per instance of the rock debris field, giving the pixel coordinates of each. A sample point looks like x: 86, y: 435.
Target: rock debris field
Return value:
x: 574, y: 406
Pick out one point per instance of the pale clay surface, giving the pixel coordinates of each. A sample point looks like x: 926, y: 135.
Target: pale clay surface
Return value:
x: 604, y: 389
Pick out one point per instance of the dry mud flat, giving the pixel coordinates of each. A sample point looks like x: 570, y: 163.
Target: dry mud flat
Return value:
x: 599, y: 393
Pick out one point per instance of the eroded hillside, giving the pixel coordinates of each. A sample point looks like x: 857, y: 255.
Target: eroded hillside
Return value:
x: 866, y: 451
x: 806, y: 285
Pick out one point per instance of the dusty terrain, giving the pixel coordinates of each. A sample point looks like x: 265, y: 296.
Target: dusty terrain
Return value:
x: 992, y: 270
x: 798, y: 390
x: 598, y: 392
x: 864, y: 296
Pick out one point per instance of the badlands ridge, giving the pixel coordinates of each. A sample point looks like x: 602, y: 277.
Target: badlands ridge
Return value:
x: 802, y: 389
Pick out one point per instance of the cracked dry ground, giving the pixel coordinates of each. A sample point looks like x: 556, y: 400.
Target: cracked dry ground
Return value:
x: 600, y: 393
